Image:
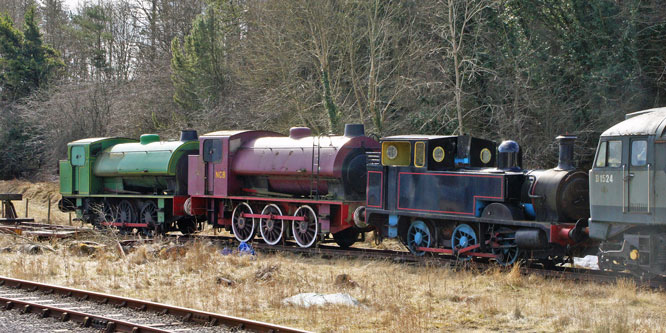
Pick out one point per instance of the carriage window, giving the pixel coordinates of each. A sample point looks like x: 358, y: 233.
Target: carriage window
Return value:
x: 614, y: 154
x: 638, y: 153
x: 601, y: 156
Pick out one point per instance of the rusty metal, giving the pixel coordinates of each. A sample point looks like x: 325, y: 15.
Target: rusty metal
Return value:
x: 85, y: 319
x: 195, y: 316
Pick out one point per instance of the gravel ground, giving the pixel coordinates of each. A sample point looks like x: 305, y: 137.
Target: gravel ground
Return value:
x: 15, y: 321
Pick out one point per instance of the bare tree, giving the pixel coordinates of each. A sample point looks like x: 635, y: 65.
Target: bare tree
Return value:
x: 383, y: 50
x: 459, y: 25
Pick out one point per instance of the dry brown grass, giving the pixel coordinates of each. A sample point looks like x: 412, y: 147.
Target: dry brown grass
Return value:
x: 397, y: 297
x: 38, y: 195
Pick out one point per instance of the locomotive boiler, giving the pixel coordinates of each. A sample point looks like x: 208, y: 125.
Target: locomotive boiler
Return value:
x: 468, y: 197
x: 258, y: 182
x: 304, y: 165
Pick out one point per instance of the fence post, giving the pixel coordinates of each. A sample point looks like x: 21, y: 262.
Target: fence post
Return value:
x: 48, y: 215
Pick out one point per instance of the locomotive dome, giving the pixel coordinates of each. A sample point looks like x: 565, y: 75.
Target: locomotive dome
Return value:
x: 647, y: 122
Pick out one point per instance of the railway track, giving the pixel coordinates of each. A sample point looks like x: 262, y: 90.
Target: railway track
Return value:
x: 112, y: 313
x: 327, y: 251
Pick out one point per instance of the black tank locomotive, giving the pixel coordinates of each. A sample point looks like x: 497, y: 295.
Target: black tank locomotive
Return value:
x: 468, y: 197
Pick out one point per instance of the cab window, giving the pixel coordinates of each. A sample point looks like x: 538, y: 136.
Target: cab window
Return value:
x: 78, y: 156
x: 212, y: 150
x: 601, y: 155
x: 614, y: 154
x: 638, y: 153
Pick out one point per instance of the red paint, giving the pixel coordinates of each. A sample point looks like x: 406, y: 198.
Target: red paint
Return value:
x: 285, y: 200
x: 559, y: 234
x: 178, y: 205
x: 454, y: 175
x: 274, y: 217
x: 468, y: 249
x: 198, y: 206
x: 451, y: 252
x: 381, y: 188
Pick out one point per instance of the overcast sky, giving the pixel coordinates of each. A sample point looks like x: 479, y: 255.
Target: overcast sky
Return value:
x: 71, y: 4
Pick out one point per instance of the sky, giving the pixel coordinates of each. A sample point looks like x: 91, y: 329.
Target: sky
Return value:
x: 71, y: 4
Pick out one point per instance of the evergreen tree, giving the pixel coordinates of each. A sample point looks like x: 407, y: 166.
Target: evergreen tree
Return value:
x: 200, y: 65
x: 26, y: 63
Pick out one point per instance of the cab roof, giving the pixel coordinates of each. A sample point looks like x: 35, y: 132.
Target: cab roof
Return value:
x: 646, y: 122
x: 230, y: 133
x: 417, y: 137
x: 95, y: 140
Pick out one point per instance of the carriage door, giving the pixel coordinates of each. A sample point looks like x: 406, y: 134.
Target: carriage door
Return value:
x: 78, y: 159
x: 212, y: 154
x: 638, y: 178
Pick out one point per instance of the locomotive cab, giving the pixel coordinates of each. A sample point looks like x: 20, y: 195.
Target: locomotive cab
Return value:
x: 626, y: 213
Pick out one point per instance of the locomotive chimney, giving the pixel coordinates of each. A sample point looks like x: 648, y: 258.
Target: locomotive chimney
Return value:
x: 566, y: 152
x: 188, y: 135
x: 354, y: 130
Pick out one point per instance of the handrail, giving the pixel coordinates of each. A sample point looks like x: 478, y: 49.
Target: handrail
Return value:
x: 625, y: 179
x: 649, y: 186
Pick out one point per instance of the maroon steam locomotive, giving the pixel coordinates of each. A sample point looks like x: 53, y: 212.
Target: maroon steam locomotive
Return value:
x: 300, y: 186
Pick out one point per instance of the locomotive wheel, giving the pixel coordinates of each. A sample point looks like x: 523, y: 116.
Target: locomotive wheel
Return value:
x: 305, y: 232
x: 418, y: 235
x: 462, y: 237
x: 508, y: 252
x: 106, y: 213
x: 243, y: 227
x: 148, y: 215
x: 125, y: 213
x: 271, y: 230
x: 346, y: 238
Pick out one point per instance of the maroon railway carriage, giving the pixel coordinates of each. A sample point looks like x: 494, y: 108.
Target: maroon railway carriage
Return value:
x: 298, y: 186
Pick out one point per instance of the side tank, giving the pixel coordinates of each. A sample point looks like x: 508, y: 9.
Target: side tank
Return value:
x: 333, y: 165
x: 560, y: 194
x: 147, y: 166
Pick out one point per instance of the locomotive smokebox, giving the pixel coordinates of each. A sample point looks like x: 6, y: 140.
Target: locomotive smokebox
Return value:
x: 566, y: 152
x: 354, y: 130
x: 188, y: 135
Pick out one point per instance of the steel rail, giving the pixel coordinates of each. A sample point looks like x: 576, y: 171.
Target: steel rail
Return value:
x: 187, y: 315
x: 85, y: 319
